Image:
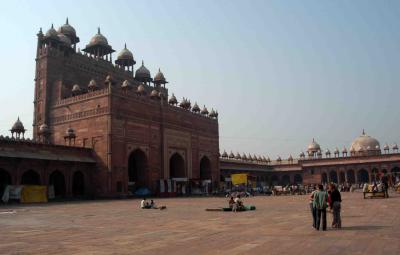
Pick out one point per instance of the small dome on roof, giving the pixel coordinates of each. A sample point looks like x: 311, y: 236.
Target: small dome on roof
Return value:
x: 70, y: 132
x: 154, y: 94
x: 76, y: 88
x: 18, y: 127
x: 260, y: 158
x: 67, y: 30
x: 142, y: 73
x: 196, y: 108
x: 92, y: 84
x: 224, y: 154
x: 250, y: 157
x: 231, y: 155
x: 302, y: 155
x: 159, y: 78
x: 244, y: 157
x: 51, y: 33
x: 290, y: 158
x: 141, y: 89
x: 125, y: 54
x: 344, y: 150
x: 44, y: 129
x: 212, y: 113
x: 279, y: 159
x: 237, y: 156
x: 204, y: 111
x: 313, y: 146
x: 386, y: 147
x: 64, y: 39
x: 328, y: 152
x: 98, y: 39
x: 126, y: 84
x: 172, y: 100
x: 336, y: 150
x: 395, y: 147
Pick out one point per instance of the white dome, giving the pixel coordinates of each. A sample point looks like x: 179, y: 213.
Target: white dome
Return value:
x: 365, y: 142
x: 313, y: 147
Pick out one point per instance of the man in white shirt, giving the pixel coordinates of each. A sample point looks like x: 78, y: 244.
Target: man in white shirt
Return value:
x: 144, y: 204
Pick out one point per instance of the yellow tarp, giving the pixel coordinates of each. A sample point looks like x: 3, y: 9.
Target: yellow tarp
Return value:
x: 34, y: 194
x: 239, y: 179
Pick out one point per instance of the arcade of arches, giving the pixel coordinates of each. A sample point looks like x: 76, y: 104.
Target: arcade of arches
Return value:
x: 65, y: 185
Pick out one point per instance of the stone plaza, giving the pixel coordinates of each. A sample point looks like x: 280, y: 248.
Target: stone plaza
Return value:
x: 280, y: 225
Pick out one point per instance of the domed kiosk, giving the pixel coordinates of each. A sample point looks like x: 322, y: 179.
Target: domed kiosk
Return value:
x: 365, y: 145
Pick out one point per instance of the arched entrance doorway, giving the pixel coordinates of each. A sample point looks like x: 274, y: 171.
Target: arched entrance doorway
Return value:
x: 78, y: 184
x: 205, y: 168
x: 286, y: 180
x: 333, y: 177
x: 374, y: 174
x: 57, y: 180
x: 351, y: 178
x: 298, y: 179
x: 324, y: 178
x: 137, y: 170
x: 274, y: 180
x: 177, y: 166
x: 363, y: 176
x: 342, y: 177
x: 30, y: 177
x: 5, y: 179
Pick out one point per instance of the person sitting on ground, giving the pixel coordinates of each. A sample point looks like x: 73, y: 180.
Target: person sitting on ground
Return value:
x: 231, y: 203
x: 153, y: 205
x: 144, y: 204
x: 238, y: 204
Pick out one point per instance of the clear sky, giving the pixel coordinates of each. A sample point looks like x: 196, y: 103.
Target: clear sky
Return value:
x: 279, y: 72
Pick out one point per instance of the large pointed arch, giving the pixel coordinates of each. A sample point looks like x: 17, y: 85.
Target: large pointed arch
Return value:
x: 57, y: 180
x: 30, y: 177
x: 205, y: 168
x: 138, y: 169
x: 177, y: 167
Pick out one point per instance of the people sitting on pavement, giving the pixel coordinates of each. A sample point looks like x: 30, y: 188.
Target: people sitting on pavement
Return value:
x: 144, y: 204
x: 238, y: 205
x: 231, y: 202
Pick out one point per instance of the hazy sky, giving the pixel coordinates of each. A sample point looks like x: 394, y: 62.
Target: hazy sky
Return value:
x: 279, y: 72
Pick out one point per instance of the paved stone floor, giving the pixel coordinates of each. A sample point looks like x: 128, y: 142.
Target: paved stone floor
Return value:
x: 280, y: 225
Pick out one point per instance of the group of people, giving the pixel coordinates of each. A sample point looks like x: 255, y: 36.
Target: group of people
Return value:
x: 144, y: 204
x: 378, y: 186
x: 236, y: 204
x: 321, y: 200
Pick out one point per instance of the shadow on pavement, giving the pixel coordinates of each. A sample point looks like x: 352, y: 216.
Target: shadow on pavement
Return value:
x: 363, y: 227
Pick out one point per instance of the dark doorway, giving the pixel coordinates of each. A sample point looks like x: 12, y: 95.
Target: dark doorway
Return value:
x: 324, y: 178
x: 177, y: 166
x: 342, y: 177
x: 274, y: 180
x: 351, y: 178
x: 78, y: 184
x: 57, y: 180
x: 30, y: 177
x: 363, y: 176
x: 205, y: 169
x: 298, y: 179
x: 286, y: 180
x: 5, y: 179
x: 137, y: 170
x: 333, y: 177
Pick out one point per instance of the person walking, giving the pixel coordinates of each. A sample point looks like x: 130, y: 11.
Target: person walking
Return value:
x: 336, y: 200
x: 320, y: 204
x: 313, y: 210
